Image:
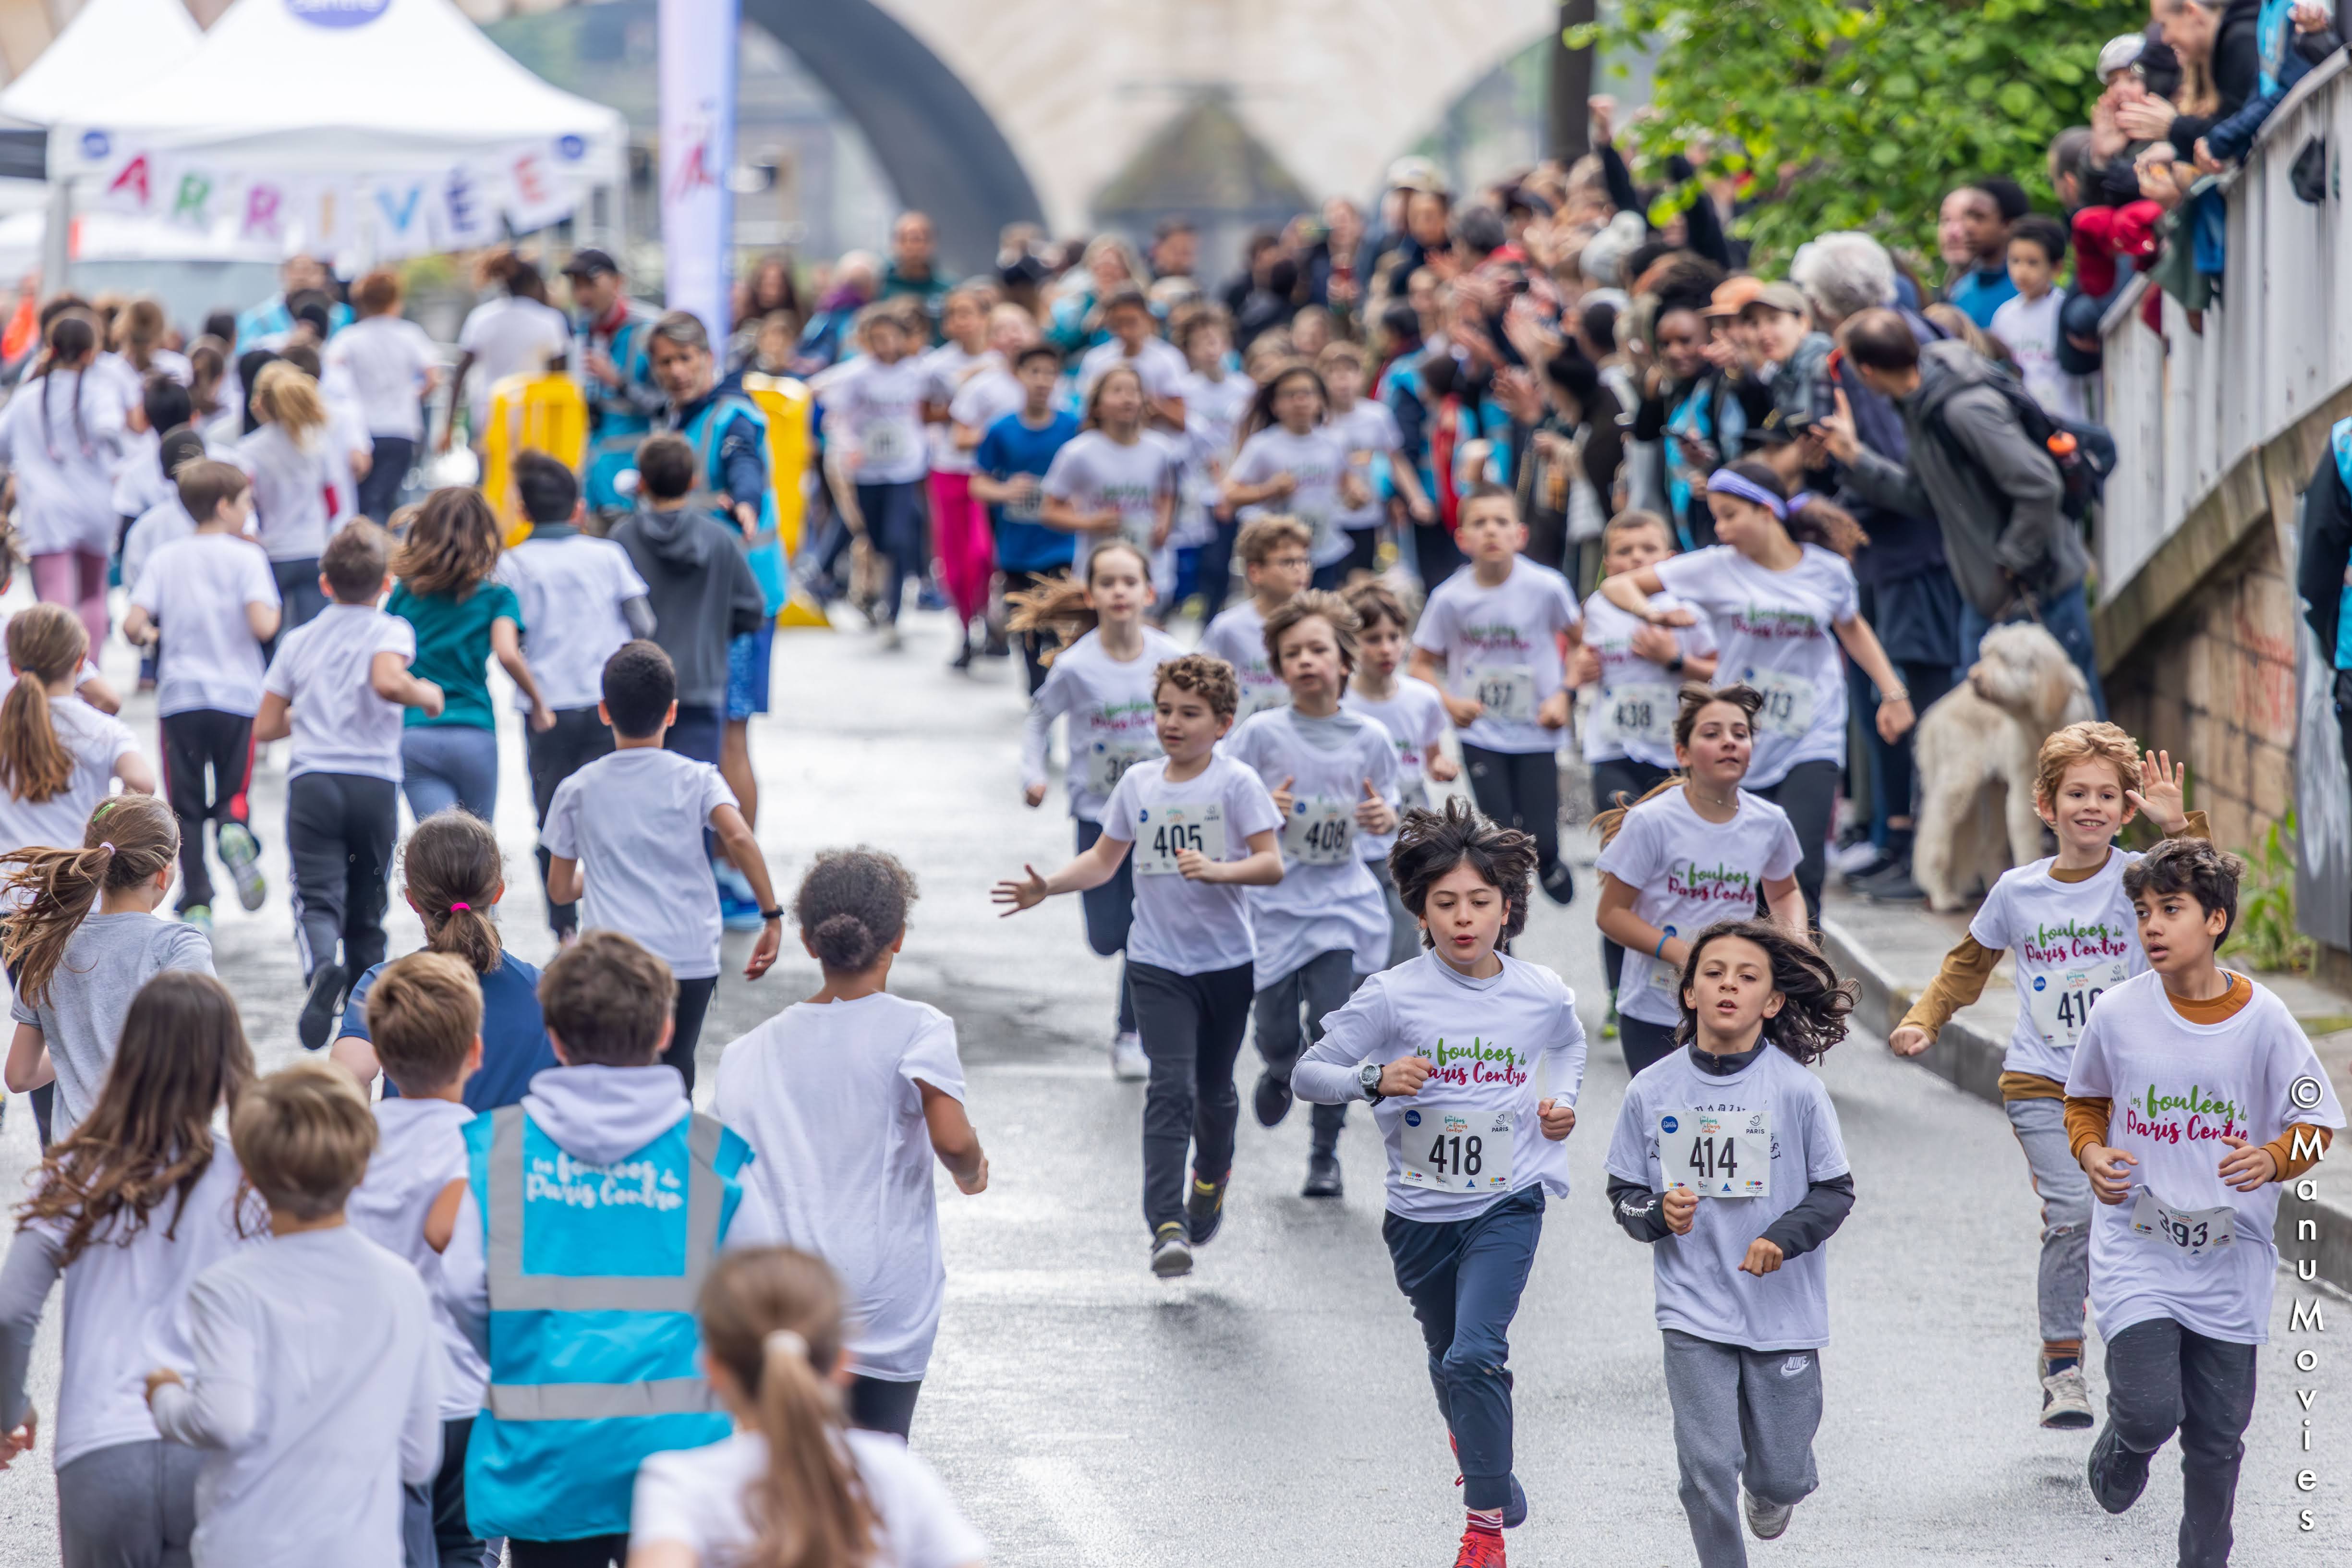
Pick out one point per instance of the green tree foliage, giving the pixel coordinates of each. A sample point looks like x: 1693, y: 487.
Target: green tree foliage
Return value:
x: 1863, y: 115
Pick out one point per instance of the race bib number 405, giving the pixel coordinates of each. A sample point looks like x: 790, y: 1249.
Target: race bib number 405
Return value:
x: 2059, y: 1000
x: 1317, y: 832
x: 1717, y: 1155
x: 1457, y: 1150
x: 1787, y: 703
x: 1164, y: 832
x: 1507, y: 691
x: 2195, y: 1231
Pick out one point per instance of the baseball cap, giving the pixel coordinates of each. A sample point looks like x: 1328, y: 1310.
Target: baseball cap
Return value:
x: 1784, y: 297
x: 2120, y: 54
x: 1734, y: 295
x: 1416, y: 173
x: 590, y: 262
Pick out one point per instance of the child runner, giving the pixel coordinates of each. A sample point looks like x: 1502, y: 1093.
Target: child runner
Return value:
x: 1414, y: 717
x: 791, y: 1485
x: 60, y: 443
x: 165, y: 522
x: 1134, y: 343
x: 1203, y: 828
x: 130, y: 1209
x: 1635, y: 669
x: 338, y: 686
x: 846, y: 1100
x: 874, y: 412
x: 296, y: 474
x: 1103, y: 680
x: 448, y: 590
x: 314, y: 1383
x: 59, y: 754
x: 1116, y: 480
x: 1275, y: 563
x: 1214, y: 401
x: 425, y: 1020
x: 214, y: 592
x: 1009, y: 468
x: 625, y: 833
x: 1368, y: 432
x: 1695, y: 850
x: 1292, y: 457
x: 83, y: 939
x: 581, y: 598
x: 1493, y: 633
x: 143, y: 480
x: 1473, y: 1135
x: 2066, y: 920
x: 1735, y: 1119
x: 2193, y: 1096
x: 1325, y: 924
x: 959, y: 536
x: 1781, y: 597
x: 456, y: 878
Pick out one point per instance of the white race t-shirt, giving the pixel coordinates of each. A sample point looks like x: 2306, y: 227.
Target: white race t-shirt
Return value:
x: 166, y: 523
x: 2071, y: 943
x: 1415, y: 718
x: 62, y: 440
x: 826, y: 1094
x: 1776, y: 632
x: 2031, y: 329
x: 1499, y: 1044
x: 2179, y: 1089
x: 951, y: 369
x: 420, y: 1149
x: 197, y: 590
x: 1700, y: 1289
x: 508, y: 336
x: 876, y: 411
x: 633, y: 820
x: 297, y: 487
x: 385, y: 360
x: 1158, y: 364
x: 341, y: 725
x: 697, y: 1498
x: 1686, y: 874
x: 1328, y: 900
x: 1181, y: 925
x: 1095, y: 474
x: 1111, y: 707
x: 570, y: 590
x: 1237, y: 635
x: 95, y: 740
x: 1315, y: 460
x: 1632, y: 713
x: 1369, y: 432
x: 1501, y: 645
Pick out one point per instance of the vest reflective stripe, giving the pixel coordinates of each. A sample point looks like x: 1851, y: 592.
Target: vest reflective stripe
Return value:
x: 512, y: 1291
x: 600, y: 1401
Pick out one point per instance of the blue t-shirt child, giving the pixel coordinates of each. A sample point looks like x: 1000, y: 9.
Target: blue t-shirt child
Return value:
x: 514, y: 1036
x: 1013, y: 446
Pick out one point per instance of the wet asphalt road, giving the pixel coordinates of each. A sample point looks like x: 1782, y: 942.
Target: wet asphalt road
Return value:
x: 1273, y: 1407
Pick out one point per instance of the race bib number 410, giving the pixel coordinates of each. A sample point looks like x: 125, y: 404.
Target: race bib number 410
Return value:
x: 1717, y: 1155
x: 1164, y: 832
x: 1455, y: 1150
x: 2195, y: 1231
x: 2059, y: 999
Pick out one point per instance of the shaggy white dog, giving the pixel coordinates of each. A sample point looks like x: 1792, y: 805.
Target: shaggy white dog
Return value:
x: 1977, y: 748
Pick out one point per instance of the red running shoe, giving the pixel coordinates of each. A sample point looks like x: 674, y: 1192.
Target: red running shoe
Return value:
x: 1481, y: 1548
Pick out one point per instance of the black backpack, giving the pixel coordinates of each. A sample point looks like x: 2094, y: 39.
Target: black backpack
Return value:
x: 2084, y: 453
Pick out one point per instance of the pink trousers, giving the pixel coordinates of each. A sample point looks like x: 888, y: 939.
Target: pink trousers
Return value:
x: 75, y: 577
x: 961, y: 541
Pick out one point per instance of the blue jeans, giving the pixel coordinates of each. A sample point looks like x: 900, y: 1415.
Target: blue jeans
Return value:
x: 442, y: 765
x: 2068, y: 617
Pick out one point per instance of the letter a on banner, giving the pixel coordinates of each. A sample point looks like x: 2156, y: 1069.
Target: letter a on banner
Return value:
x: 698, y: 148
x: 134, y: 188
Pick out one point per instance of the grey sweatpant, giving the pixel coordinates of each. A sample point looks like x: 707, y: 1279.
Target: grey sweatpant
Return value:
x: 1289, y: 1013
x: 2066, y: 1194
x: 131, y: 1505
x: 1740, y: 1415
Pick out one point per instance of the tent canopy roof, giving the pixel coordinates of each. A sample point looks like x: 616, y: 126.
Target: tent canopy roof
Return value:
x: 126, y: 42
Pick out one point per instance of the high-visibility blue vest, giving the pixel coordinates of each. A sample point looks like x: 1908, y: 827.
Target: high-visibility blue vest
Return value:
x: 616, y: 427
x: 593, y: 1274
x: 707, y: 432
x: 2340, y: 441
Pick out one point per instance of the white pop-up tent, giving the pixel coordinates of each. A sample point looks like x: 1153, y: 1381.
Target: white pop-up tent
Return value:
x: 109, y: 45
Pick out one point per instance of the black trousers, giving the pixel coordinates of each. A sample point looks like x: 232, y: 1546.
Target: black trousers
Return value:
x: 340, y: 830
x: 199, y: 741
x: 1643, y: 1042
x: 579, y: 738
x: 1436, y: 552
x: 1897, y: 771
x: 1036, y: 644
x: 1191, y: 1027
x: 432, y: 1524
x: 297, y: 586
x: 2162, y: 1379
x: 1621, y: 781
x: 1808, y: 794
x: 589, y: 1551
x: 1216, y: 567
x: 878, y: 1405
x: 387, y: 471
x: 1521, y: 790
x: 693, y: 1006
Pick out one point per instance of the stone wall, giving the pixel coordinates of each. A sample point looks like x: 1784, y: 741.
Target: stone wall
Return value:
x: 2214, y: 683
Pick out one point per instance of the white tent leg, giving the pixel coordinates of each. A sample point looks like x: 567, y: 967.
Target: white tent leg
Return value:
x: 56, y: 240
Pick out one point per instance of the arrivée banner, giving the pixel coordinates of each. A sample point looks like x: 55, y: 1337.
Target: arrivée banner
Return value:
x: 698, y: 149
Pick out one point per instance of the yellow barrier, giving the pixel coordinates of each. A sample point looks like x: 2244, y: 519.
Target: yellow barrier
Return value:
x: 529, y: 413
x: 786, y: 405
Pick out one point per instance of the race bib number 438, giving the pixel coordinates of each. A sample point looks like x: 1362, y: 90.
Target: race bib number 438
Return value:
x: 1457, y: 1150
x: 1717, y: 1155
x: 1164, y: 832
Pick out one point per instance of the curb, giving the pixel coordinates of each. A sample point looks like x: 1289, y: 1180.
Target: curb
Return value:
x: 1966, y: 1058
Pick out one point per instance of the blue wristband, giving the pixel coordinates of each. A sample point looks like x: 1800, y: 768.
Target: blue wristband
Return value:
x: 1659, y: 951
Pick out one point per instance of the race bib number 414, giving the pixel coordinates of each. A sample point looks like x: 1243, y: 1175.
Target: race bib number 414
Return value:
x: 1455, y: 1150
x: 1717, y: 1155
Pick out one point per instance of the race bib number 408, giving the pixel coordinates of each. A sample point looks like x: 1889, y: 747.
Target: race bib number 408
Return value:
x: 1319, y: 832
x: 1164, y: 832
x: 1717, y: 1155
x: 1457, y: 1150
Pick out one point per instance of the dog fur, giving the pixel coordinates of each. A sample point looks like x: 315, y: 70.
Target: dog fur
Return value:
x: 1976, y: 750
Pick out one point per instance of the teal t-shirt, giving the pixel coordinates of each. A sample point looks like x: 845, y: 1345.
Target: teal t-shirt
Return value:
x: 453, y: 647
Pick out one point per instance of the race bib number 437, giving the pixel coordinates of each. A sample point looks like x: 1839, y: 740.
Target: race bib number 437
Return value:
x: 1455, y: 1150
x: 1507, y: 691
x: 1717, y: 1155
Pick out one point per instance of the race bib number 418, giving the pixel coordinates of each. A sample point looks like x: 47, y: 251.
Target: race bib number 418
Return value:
x: 1460, y: 1150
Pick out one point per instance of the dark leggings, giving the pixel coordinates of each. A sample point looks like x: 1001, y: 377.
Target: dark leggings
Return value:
x: 588, y: 1552
x: 1521, y: 790
x: 2162, y: 1379
x: 1643, y: 1042
x: 1621, y: 776
x: 878, y: 1405
x: 1216, y: 568
x: 1191, y: 1027
x: 1435, y: 552
x: 894, y: 517
x: 693, y: 1006
x: 1808, y: 794
x: 1110, y: 912
x: 1036, y: 644
x: 1363, y: 551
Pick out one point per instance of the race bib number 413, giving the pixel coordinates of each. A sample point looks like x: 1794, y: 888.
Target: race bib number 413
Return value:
x: 1457, y: 1150
x: 1717, y: 1155
x: 1164, y: 832
x: 1787, y: 703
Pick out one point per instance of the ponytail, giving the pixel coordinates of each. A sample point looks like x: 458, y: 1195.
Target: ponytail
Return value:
x: 1691, y: 701
x: 45, y: 643
x: 1059, y: 605
x: 73, y: 338
x: 454, y: 874
x: 289, y: 399
x: 129, y: 839
x: 1809, y: 518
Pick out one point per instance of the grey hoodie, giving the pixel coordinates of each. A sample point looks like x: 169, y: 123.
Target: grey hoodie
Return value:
x: 702, y: 594
x: 1995, y: 494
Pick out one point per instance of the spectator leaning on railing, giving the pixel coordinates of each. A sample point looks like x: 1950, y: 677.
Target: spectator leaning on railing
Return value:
x: 1972, y: 467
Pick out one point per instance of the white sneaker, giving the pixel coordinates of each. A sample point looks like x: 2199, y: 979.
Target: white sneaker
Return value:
x: 1766, y: 1520
x: 1127, y: 1057
x: 2066, y: 1401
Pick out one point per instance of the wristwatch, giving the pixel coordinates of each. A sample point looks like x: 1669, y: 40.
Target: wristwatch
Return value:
x: 766, y: 915
x: 1368, y: 1079
x: 1675, y: 665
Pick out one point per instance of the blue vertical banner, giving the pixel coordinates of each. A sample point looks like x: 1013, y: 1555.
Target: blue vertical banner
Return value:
x: 698, y: 149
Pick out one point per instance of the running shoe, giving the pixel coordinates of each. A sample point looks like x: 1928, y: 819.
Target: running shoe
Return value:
x: 962, y: 660
x: 1559, y: 883
x: 242, y: 855
x: 891, y: 641
x: 1481, y: 1548
x: 1270, y: 1099
x: 1172, y: 1255
x: 739, y: 914
x: 1204, y: 1211
x: 2118, y: 1475
x: 1127, y: 1058
x: 2065, y: 1400
x: 1322, y: 1177
x: 318, y: 1009
x: 1768, y: 1521
x: 1609, y: 1023
x: 199, y: 916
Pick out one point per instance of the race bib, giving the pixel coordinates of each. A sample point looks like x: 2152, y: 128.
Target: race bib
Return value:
x: 1643, y: 712
x: 885, y: 443
x: 1107, y: 762
x: 1258, y: 694
x: 1787, y: 703
x: 1508, y: 692
x: 1457, y: 1150
x: 1318, y: 527
x: 1717, y: 1155
x: 1665, y: 977
x: 1318, y: 831
x: 2195, y: 1231
x: 1025, y: 510
x: 2059, y: 1000
x: 1163, y: 832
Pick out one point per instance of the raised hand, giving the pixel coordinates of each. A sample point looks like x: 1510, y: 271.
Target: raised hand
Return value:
x: 1027, y: 892
x: 2163, y: 792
